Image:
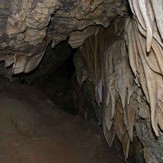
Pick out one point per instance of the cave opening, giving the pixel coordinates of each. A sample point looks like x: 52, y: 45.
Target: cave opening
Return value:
x: 56, y: 77
x: 57, y: 86
x: 57, y: 80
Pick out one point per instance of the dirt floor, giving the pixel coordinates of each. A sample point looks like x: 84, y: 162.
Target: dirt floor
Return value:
x: 33, y: 130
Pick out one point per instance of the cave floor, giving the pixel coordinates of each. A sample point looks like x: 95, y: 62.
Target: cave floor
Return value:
x: 33, y: 130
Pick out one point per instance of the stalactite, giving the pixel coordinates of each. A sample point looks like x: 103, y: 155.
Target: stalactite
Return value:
x: 106, y: 64
x: 27, y: 27
x: 144, y: 38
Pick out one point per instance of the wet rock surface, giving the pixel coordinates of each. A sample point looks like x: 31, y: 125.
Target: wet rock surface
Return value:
x: 33, y: 130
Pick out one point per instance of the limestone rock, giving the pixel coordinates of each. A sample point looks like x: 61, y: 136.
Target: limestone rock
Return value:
x: 27, y: 27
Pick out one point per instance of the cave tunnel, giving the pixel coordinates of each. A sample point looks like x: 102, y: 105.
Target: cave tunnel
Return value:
x: 81, y: 81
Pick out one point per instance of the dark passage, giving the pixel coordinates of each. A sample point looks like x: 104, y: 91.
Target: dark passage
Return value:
x: 56, y: 77
x: 58, y: 86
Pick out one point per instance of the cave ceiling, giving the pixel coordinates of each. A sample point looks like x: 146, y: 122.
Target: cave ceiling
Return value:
x: 28, y: 26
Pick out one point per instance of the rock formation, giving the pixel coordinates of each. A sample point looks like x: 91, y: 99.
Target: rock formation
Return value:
x: 27, y: 27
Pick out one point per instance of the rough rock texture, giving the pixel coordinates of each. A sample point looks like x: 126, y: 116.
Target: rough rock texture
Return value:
x: 146, y: 55
x: 27, y: 27
x: 129, y: 95
x: 144, y: 40
x: 103, y: 62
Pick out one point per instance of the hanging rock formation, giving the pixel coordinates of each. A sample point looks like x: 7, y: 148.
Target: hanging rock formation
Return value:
x: 27, y: 27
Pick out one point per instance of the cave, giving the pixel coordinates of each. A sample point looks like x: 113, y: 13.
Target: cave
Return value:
x: 81, y: 81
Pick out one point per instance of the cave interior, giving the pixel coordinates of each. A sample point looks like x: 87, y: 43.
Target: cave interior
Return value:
x: 81, y: 81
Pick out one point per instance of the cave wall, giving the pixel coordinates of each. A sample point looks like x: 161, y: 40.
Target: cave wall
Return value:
x: 103, y: 61
x: 145, y: 49
x: 126, y: 73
